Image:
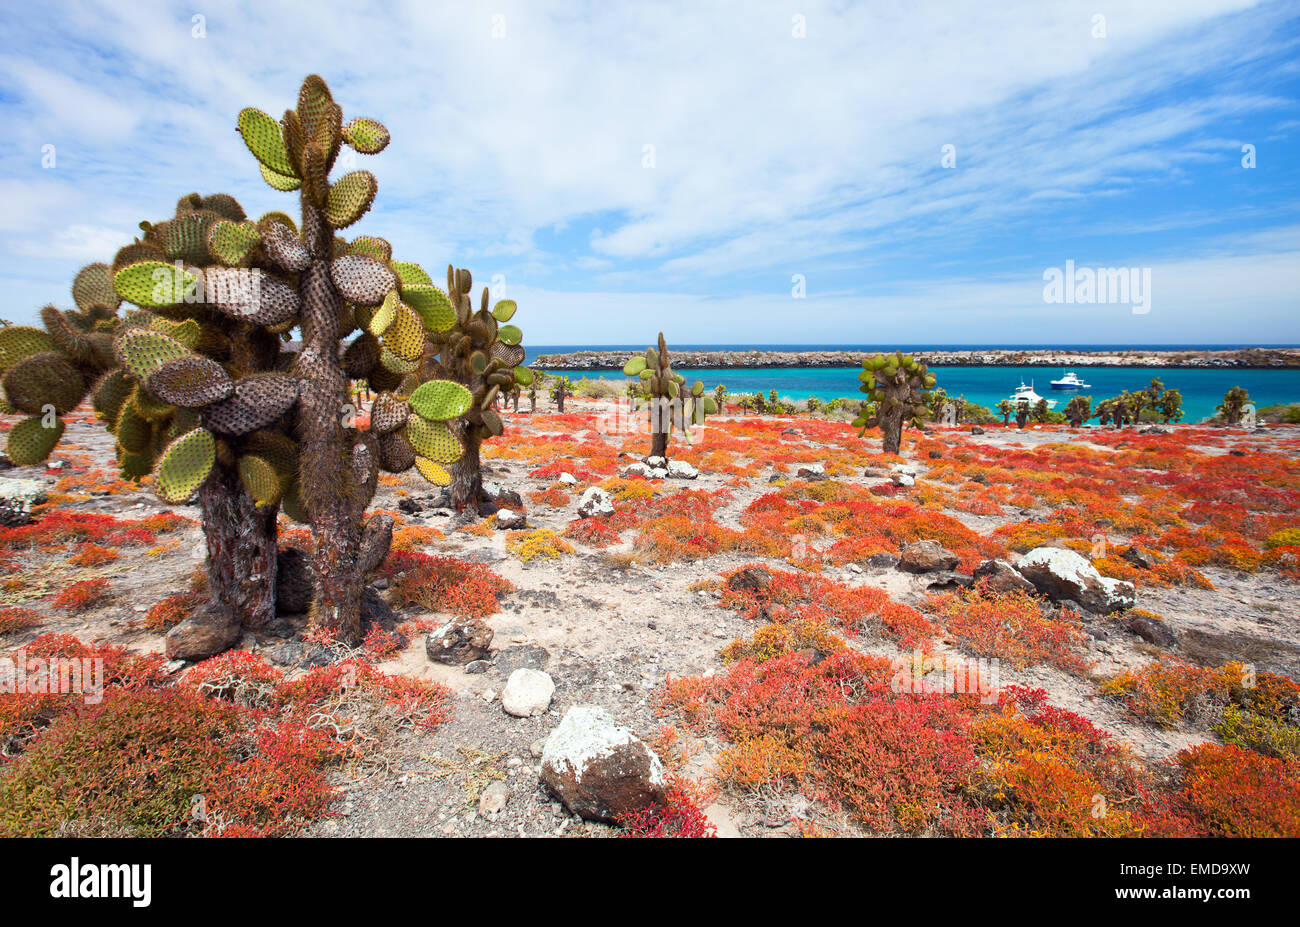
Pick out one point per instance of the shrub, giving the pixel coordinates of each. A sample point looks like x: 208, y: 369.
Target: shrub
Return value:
x: 444, y: 584
x: 1231, y: 792
x: 542, y: 544
x: 82, y: 595
x: 1013, y: 627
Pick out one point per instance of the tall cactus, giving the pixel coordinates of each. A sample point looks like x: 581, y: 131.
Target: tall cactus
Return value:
x: 896, y: 385
x: 480, y: 351
x: 671, y: 405
x: 204, y: 387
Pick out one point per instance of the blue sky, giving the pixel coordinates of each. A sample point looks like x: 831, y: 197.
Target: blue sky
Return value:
x: 519, y: 150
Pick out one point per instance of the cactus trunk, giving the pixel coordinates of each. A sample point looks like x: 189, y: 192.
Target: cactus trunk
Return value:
x: 659, y: 443
x: 329, y: 494
x: 467, y: 473
x: 891, y: 430
x: 241, y: 541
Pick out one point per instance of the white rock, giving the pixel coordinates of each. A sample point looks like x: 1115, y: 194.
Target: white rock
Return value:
x: 568, y: 479
x: 657, y: 473
x: 510, y: 519
x: 491, y: 488
x: 527, y: 693
x: 901, y: 479
x: 595, y: 501
x: 655, y: 462
x: 680, y: 469
x: 810, y: 469
x: 1060, y: 573
x: 599, y: 769
x: 636, y: 469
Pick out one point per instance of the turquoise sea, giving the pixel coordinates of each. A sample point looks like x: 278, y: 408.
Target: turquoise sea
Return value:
x: 1202, y: 389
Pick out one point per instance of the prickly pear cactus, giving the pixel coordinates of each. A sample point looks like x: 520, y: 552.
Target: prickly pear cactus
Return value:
x: 672, y: 405
x: 895, y: 385
x: 472, y: 357
x: 205, y: 386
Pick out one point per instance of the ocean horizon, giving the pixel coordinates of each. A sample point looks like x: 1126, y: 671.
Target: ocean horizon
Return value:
x: 1202, y: 389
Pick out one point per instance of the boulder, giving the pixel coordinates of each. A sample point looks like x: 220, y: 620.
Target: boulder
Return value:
x: 1060, y: 573
x: 568, y: 479
x: 207, y: 634
x: 598, y: 769
x: 1002, y: 577
x: 595, y: 502
x: 948, y: 582
x: 459, y: 642
x: 655, y: 462
x: 510, y: 520
x: 681, y: 470
x: 1139, y: 558
x: 902, y: 479
x: 882, y: 561
x: 1151, y: 629
x: 927, y: 557
x: 16, y: 500
x: 812, y: 472
x: 527, y: 693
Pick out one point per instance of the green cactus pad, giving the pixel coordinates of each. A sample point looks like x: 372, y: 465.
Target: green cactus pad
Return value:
x: 151, y: 408
x: 153, y: 284
x: 440, y: 400
x: 399, y: 366
x: 70, y: 340
x: 291, y: 503
x: 260, y: 480
x: 492, y: 422
x: 405, y: 337
x: 411, y: 274
x: 697, y: 388
x: 349, y: 198
x: 282, y: 182
x: 110, y: 394
x: 634, y: 366
x: 510, y: 334
x: 504, y: 310
x: 184, y: 465
x: 141, y: 351
x: 185, y: 238
x: 44, y: 380
x: 187, y: 332
x: 265, y: 140
x: 279, y: 450
x: 435, y: 309
x: 433, y: 472
x: 30, y: 442
x: 93, y: 286
x: 191, y: 382
x: 132, y: 430
x: 478, y: 362
x: 134, y: 466
x: 386, y: 314
x: 523, y: 376
x: 372, y: 246
x: 367, y: 136
x: 19, y: 342
x: 231, y: 242
x: 433, y: 440
x: 710, y: 405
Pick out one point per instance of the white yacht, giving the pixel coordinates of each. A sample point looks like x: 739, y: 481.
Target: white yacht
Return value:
x: 1070, y: 381
x: 1027, y: 395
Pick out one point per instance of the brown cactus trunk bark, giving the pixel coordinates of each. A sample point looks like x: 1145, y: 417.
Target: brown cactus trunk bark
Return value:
x: 335, y: 481
x: 467, y: 473
x: 891, y: 431
x: 241, y: 541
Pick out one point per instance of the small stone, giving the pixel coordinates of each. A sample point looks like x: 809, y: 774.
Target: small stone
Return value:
x: 476, y: 667
x: 493, y: 799
x: 568, y: 479
x: 927, y: 557
x: 528, y: 693
x: 459, y: 642
x: 681, y: 470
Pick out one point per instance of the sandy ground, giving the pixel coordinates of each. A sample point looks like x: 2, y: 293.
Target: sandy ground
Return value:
x: 609, y: 636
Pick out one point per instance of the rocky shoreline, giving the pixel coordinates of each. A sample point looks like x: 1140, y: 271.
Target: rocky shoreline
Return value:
x: 1237, y: 358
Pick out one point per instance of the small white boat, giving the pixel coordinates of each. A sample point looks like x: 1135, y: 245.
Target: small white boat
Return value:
x: 1027, y: 395
x: 1070, y: 381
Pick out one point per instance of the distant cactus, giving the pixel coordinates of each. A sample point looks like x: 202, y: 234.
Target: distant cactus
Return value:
x: 671, y: 404
x: 203, y: 388
x: 896, y: 384
x: 1006, y: 408
x: 480, y: 350
x: 1078, y: 410
x: 1234, y: 404
x: 1170, y: 405
x: 561, y: 390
